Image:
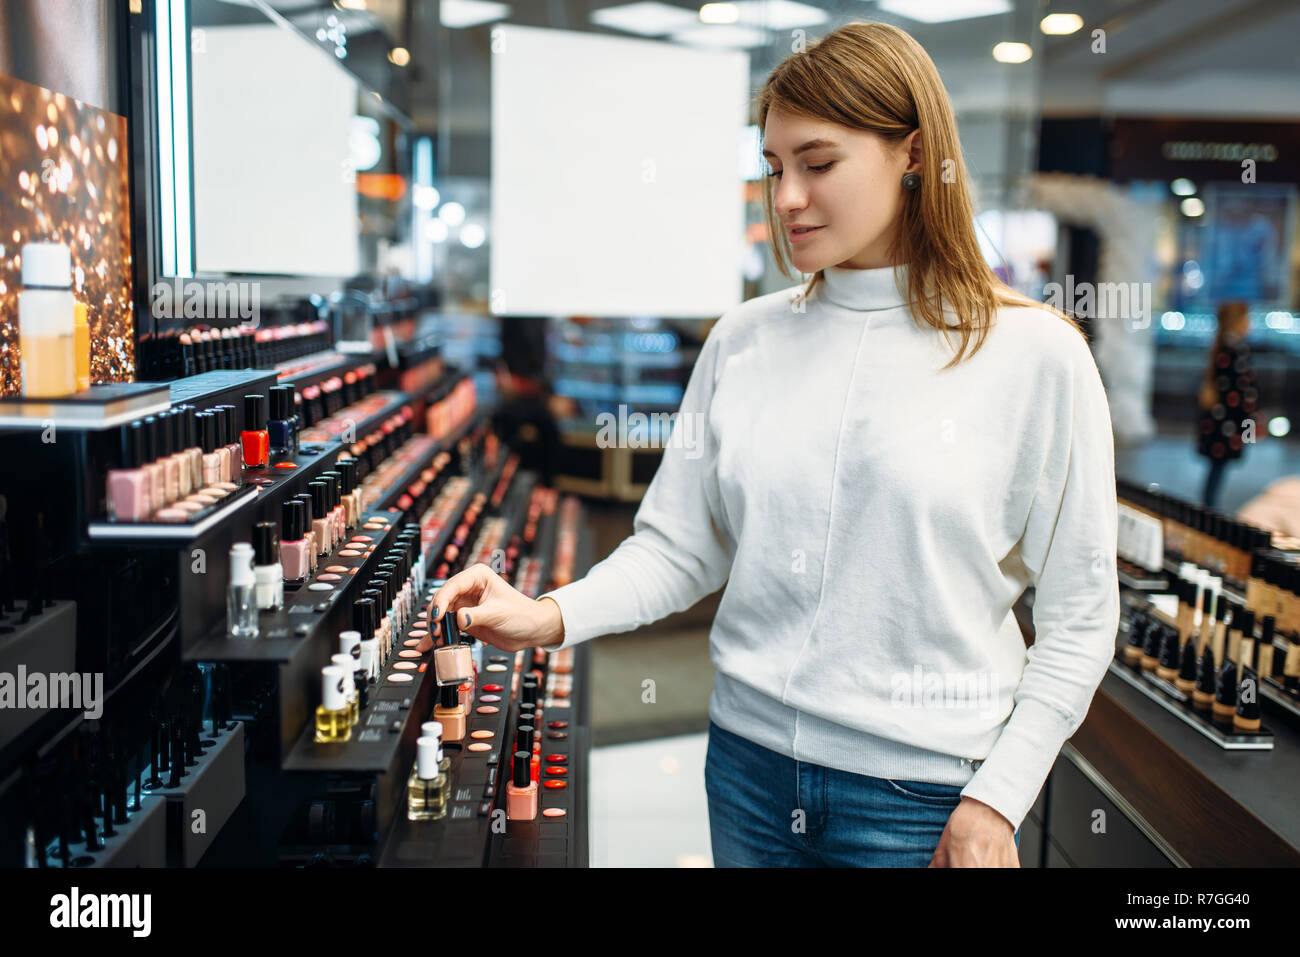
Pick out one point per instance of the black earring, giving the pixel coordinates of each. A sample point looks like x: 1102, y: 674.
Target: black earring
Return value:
x: 911, y: 182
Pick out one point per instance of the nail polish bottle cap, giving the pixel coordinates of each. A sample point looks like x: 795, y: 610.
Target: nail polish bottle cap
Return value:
x: 206, y: 424
x: 366, y: 658
x: 319, y: 498
x: 1244, y: 621
x: 189, y: 427
x: 334, y: 484
x: 230, y: 422
x: 223, y: 424
x: 522, y: 776
x: 291, y: 517
x: 375, y: 592
x: 346, y: 662
x: 448, y: 697
x: 432, y: 729
x: 428, y: 752
x: 255, y: 412
x: 163, y: 434
x: 308, y: 513
x: 1266, y: 625
x: 524, y: 737
x: 266, y: 545
x: 133, y: 443
x: 350, y: 644
x: 363, y: 617
x: 241, y: 564
x: 347, y: 468
x: 529, y: 693
x: 281, y: 402
x: 450, y: 632
x: 385, y: 578
x: 149, y: 427
x: 333, y: 687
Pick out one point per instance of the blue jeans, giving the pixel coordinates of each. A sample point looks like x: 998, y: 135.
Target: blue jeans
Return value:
x: 767, y: 810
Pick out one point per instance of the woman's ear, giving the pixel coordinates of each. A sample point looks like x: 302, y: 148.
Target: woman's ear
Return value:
x: 912, y: 145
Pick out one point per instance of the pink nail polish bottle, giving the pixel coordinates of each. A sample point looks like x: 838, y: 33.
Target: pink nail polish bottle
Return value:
x: 129, y: 493
x: 293, y: 546
x: 521, y: 792
x: 207, y: 424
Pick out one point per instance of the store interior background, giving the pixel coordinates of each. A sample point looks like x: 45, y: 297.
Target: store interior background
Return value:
x: 1071, y: 170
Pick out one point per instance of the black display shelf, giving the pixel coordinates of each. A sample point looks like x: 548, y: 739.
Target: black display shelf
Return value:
x: 394, y: 400
x: 206, y: 389
x: 389, y: 498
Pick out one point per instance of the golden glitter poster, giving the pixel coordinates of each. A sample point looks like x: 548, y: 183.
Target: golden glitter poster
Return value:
x: 63, y: 179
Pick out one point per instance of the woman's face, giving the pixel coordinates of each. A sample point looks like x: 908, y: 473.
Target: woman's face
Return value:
x: 847, y: 184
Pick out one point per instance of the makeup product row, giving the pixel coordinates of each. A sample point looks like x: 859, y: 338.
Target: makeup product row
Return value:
x: 1188, y: 533
x: 566, y: 542
x: 450, y: 407
x: 342, y: 424
x: 418, y: 377
x: 176, y: 353
x: 336, y: 393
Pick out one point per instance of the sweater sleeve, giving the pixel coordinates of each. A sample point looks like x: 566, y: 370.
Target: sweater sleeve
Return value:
x: 680, y: 550
x: 1069, y: 548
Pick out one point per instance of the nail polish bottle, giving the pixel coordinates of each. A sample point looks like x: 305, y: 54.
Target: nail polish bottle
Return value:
x: 332, y: 714
x: 128, y: 493
x: 426, y: 790
x: 167, y: 456
x: 232, y: 447
x: 334, y: 505
x: 254, y: 439
x: 350, y: 645
x: 293, y: 547
x: 521, y: 792
x: 267, y: 572
x: 241, y: 602
x: 377, y: 591
x: 210, y: 461
x: 180, y: 452
x: 154, y: 467
x: 347, y: 469
x: 363, y: 622
x: 309, y: 526
x: 452, y: 662
x: 280, y: 427
x: 433, y: 729
x: 449, y: 712
x: 320, y: 522
x: 193, y: 452
x: 340, y: 660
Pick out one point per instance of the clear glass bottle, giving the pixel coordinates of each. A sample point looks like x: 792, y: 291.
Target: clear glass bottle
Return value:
x: 346, y: 662
x: 241, y: 601
x: 426, y: 793
x: 332, y: 715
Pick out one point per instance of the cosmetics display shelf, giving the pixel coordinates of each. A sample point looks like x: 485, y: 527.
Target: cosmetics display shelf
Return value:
x: 45, y: 644
x: 1172, y: 567
x: 1148, y: 582
x: 313, y: 370
x: 212, y: 787
x: 389, y: 498
x: 393, y: 402
x: 94, y: 409
x: 141, y: 841
x: 270, y: 481
x: 288, y: 633
x: 208, y: 388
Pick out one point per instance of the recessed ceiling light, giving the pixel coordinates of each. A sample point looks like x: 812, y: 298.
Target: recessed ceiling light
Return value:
x: 1192, y: 206
x: 459, y: 14
x: 1182, y: 187
x: 1009, y: 52
x: 1060, y: 24
x: 722, y: 36
x: 779, y: 14
x: 719, y: 13
x: 648, y: 19
x: 942, y: 11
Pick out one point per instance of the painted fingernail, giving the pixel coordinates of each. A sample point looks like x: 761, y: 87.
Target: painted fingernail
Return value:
x: 467, y: 621
x: 434, y: 613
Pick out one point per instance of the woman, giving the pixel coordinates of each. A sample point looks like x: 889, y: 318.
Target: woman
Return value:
x: 1227, y: 398
x: 877, y: 480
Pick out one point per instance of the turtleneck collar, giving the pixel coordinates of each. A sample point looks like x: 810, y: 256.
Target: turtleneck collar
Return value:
x: 866, y: 289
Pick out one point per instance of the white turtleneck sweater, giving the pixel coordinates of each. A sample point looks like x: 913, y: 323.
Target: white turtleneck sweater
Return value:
x: 874, y: 519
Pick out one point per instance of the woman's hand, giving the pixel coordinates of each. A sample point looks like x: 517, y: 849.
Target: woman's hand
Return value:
x: 488, y: 608
x: 976, y: 836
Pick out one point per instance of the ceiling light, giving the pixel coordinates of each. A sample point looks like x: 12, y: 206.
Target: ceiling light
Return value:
x: 1192, y: 206
x: 942, y: 11
x: 719, y: 13
x: 722, y: 36
x: 1182, y: 187
x: 779, y: 14
x: 1008, y: 52
x: 425, y: 197
x: 399, y: 56
x: 1061, y: 24
x: 472, y: 236
x: 459, y: 14
x: 648, y: 19
x: 453, y: 214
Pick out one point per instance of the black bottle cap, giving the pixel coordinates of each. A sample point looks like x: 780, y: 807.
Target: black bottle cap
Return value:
x: 281, y: 402
x: 1187, y: 671
x: 529, y: 693
x: 1207, y: 602
x: 1225, y: 687
x: 255, y: 413
x: 1266, y: 625
x: 292, y: 517
x: 377, y: 589
x: 522, y: 776
x: 133, y: 445
x: 232, y: 423
x: 390, y: 586
x: 1244, y: 621
x: 149, y: 428
x: 319, y: 498
x: 335, y: 484
x: 1221, y: 608
x: 347, y: 469
x: 266, y: 545
x: 309, y: 513
x: 524, y: 737
x: 223, y: 423
x: 448, y: 696
x: 450, y: 631
x: 207, y: 425
x: 189, y: 427
x: 1169, y: 650
x: 1137, y: 628
x: 1206, y: 670
x: 363, y: 617
x: 1151, y: 642
x: 163, y: 434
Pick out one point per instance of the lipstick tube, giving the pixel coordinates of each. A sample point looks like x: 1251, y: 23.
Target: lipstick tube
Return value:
x: 130, y: 497
x: 293, y: 547
x: 254, y: 439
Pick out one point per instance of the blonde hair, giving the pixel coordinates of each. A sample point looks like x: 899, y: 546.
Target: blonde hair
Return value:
x: 877, y: 78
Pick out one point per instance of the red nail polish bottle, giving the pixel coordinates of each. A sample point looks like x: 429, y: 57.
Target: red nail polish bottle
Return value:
x: 255, y: 440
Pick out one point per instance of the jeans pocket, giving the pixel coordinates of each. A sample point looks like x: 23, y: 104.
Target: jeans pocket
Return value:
x: 948, y: 795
